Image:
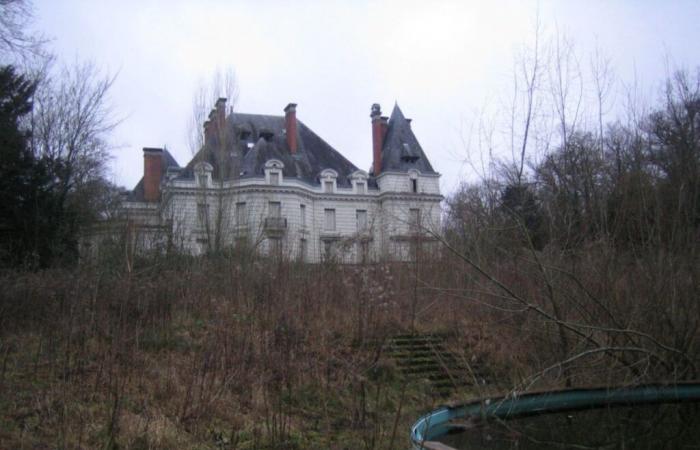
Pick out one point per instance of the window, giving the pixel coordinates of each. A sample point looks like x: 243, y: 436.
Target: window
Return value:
x: 275, y: 209
x: 414, y: 185
x: 202, y: 180
x: 414, y: 220
x: 361, y: 187
x: 361, y: 215
x: 302, y: 250
x: 241, y: 217
x: 328, y: 186
x: 274, y: 178
x: 362, y: 252
x: 276, y: 247
x: 302, y: 216
x: 327, y: 250
x: 203, y: 214
x: 329, y: 224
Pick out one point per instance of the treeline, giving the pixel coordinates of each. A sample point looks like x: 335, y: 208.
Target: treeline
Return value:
x: 634, y: 186
x: 584, y: 243
x: 54, y: 126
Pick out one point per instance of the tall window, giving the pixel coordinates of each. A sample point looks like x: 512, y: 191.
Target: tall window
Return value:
x: 302, y: 216
x: 414, y: 220
x: 414, y: 185
x: 329, y: 224
x: 361, y: 215
x: 274, y: 178
x: 362, y: 251
x: 203, y: 214
x: 275, y: 247
x: 241, y: 217
x: 275, y: 209
x: 328, y: 186
x: 327, y: 250
x: 302, y: 250
x: 202, y: 180
x: 361, y: 187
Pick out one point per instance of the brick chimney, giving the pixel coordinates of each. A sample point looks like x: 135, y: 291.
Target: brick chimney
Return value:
x: 379, y: 128
x: 220, y: 108
x: 152, y: 173
x: 290, y: 123
x: 207, y: 132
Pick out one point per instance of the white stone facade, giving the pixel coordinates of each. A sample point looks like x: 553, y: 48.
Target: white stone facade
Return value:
x: 298, y: 220
x: 287, y: 193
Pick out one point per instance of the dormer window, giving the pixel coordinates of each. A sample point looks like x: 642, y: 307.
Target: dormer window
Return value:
x: 202, y: 174
x: 359, y: 181
x: 273, y: 172
x: 329, y: 180
x: 414, y: 185
x: 408, y: 155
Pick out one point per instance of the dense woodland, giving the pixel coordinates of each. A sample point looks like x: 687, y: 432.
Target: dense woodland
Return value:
x: 571, y: 262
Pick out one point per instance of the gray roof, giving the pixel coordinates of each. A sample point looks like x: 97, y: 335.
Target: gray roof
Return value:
x: 254, y: 139
x: 136, y: 195
x: 259, y: 138
x: 401, y: 151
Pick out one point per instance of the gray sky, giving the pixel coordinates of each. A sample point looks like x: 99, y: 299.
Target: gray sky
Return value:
x: 442, y: 61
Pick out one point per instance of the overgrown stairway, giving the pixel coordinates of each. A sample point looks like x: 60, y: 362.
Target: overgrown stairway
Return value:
x: 425, y: 356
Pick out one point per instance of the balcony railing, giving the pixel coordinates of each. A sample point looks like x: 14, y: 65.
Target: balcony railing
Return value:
x: 275, y: 223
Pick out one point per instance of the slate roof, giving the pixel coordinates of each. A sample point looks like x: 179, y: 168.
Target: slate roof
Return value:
x: 254, y: 139
x: 136, y: 195
x: 261, y: 138
x: 401, y: 151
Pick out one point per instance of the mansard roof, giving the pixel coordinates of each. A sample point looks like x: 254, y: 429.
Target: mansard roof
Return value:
x: 254, y: 139
x: 401, y: 151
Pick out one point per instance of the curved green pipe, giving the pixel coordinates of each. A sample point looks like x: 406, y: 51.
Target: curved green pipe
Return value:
x: 437, y: 423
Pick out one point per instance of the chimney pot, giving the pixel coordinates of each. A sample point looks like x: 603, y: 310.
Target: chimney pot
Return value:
x: 290, y: 125
x: 152, y: 173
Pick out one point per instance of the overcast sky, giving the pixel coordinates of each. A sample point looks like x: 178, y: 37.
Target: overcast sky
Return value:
x: 441, y: 61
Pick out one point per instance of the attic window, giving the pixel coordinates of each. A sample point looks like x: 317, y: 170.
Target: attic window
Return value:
x: 414, y: 185
x: 245, y: 134
x: 407, y: 155
x: 267, y: 134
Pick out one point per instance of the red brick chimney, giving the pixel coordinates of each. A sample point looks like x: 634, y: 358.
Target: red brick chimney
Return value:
x: 152, y: 173
x: 290, y: 123
x: 379, y: 128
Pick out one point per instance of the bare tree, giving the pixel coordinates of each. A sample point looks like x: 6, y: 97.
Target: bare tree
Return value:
x: 71, y: 122
x: 222, y: 84
x: 15, y: 42
x: 529, y: 68
x: 603, y: 78
x: 211, y: 139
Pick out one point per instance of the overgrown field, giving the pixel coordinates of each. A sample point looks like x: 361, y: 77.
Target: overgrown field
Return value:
x: 247, y: 353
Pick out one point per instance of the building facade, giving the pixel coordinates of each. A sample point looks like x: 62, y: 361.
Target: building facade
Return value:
x: 270, y: 183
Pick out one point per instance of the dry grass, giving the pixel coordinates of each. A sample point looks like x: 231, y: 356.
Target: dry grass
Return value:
x: 224, y: 353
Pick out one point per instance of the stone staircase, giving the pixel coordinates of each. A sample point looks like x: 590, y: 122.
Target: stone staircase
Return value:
x: 425, y: 356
